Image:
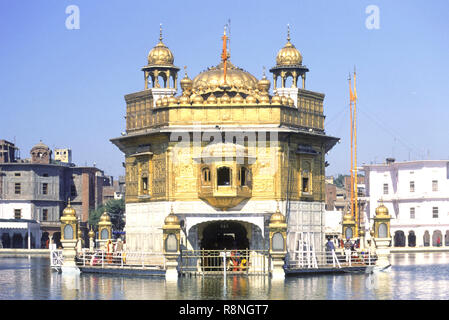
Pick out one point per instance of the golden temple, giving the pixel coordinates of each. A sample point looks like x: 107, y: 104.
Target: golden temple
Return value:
x: 223, y: 154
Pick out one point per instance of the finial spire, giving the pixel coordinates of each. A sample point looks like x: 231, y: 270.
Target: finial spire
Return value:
x: 160, y: 32
x: 263, y: 72
x: 69, y: 203
x: 185, y: 71
x: 288, y: 32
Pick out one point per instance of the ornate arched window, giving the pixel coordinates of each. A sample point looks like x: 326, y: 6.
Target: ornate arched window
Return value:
x: 223, y: 176
x: 205, y: 174
x: 244, y: 176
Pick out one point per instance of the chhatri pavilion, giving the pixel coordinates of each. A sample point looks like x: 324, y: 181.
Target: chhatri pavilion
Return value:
x: 224, y: 154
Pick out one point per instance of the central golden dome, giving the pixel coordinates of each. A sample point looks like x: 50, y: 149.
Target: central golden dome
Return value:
x: 237, y: 79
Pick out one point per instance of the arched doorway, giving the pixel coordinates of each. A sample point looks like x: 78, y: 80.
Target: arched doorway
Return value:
x: 446, y: 238
x: 426, y: 239
x: 6, y: 240
x: 399, y: 238
x: 45, y: 240
x: 411, y: 239
x: 437, y: 238
x: 224, y: 234
x: 17, y: 241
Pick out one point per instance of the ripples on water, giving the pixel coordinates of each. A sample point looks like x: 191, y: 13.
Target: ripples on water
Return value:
x: 413, y: 276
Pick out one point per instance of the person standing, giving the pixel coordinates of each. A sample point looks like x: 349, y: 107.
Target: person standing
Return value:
x: 348, y: 246
x: 329, y: 249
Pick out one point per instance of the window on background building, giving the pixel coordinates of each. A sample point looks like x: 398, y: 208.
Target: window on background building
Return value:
x: 44, y: 214
x: 17, y: 174
x: 45, y: 188
x: 45, y: 175
x: 17, y: 188
x: 412, y: 213
x: 385, y: 188
x: 435, y: 212
x: 434, y: 185
x: 412, y: 186
x: 17, y: 213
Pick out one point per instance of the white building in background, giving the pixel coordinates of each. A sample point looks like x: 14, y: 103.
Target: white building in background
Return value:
x: 416, y: 194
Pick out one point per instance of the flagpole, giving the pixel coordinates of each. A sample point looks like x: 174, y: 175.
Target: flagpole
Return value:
x: 357, y: 221
x: 352, y: 141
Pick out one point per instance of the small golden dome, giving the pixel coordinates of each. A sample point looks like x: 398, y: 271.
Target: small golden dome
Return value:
x: 362, y: 232
x: 265, y: 99
x: 105, y: 217
x: 237, y: 99
x: 250, y: 99
x: 172, y: 101
x: 348, y: 217
x: 186, y: 82
x: 277, y: 217
x: 382, y: 210
x: 211, y: 99
x: 165, y: 101
x: 91, y: 233
x: 160, y: 55
x: 264, y: 84
x: 276, y: 99
x: 372, y: 233
x: 159, y: 102
x: 184, y: 100
x: 69, y: 211
x: 198, y: 99
x: 172, y: 219
x: 225, y: 99
x: 288, y: 55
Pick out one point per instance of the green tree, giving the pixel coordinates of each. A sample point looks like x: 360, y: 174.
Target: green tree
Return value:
x: 340, y: 181
x: 115, y: 208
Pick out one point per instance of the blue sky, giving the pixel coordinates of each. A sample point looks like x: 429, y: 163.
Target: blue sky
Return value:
x: 66, y: 87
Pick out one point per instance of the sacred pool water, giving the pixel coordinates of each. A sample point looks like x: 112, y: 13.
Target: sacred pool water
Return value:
x: 413, y: 276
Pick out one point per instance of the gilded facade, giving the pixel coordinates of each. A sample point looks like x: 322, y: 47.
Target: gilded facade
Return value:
x: 224, y: 153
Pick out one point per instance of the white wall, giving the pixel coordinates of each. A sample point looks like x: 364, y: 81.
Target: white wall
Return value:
x: 7, y: 209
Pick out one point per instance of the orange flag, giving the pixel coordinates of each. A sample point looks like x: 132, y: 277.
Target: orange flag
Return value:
x: 351, y: 96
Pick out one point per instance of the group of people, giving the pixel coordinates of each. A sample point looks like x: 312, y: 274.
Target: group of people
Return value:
x: 349, y: 248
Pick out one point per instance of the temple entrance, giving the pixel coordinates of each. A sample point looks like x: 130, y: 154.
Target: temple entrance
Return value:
x: 224, y: 235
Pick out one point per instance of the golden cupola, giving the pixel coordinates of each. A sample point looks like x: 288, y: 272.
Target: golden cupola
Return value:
x: 289, y: 64
x: 160, y: 55
x: 288, y: 55
x: 160, y: 67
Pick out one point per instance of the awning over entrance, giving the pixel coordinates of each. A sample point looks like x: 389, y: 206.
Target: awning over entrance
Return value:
x: 19, y: 224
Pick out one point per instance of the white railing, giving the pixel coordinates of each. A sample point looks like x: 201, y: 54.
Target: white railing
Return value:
x: 121, y: 259
x: 309, y: 259
x: 56, y: 259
